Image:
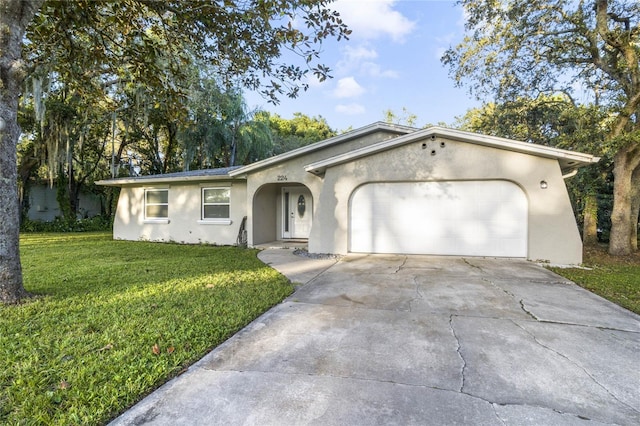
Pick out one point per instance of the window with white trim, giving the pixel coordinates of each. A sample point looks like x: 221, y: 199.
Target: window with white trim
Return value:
x: 156, y: 204
x: 216, y: 203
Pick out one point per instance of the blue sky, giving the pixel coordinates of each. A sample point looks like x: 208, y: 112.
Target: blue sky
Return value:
x: 391, y: 61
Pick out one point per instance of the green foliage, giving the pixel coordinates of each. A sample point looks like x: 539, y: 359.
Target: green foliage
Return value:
x: 146, y: 131
x: 406, y: 118
x: 59, y: 224
x: 552, y: 120
x: 515, y: 48
x: 301, y: 130
x: 65, y: 142
x: 112, y: 320
x: 614, y: 278
x: 62, y: 197
x: 220, y: 130
x: 154, y: 42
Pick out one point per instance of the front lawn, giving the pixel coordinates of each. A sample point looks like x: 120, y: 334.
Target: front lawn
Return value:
x: 112, y: 320
x: 614, y: 278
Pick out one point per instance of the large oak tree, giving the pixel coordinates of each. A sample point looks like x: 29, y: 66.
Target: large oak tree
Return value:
x: 15, y: 15
x: 519, y: 49
x: 92, y: 47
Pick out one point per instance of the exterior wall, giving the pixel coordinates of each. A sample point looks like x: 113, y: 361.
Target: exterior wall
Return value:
x: 265, y: 212
x: 553, y: 233
x: 43, y: 204
x: 262, y: 228
x: 184, y: 224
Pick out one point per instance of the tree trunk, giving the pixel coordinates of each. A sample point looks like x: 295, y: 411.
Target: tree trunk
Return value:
x: 232, y: 155
x: 28, y: 165
x: 23, y: 199
x: 172, y: 144
x: 15, y: 15
x: 62, y: 194
x: 635, y: 207
x: 625, y: 162
x: 74, y: 196
x: 590, y: 226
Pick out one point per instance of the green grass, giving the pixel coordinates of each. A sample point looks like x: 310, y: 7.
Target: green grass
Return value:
x: 614, y: 278
x: 112, y: 320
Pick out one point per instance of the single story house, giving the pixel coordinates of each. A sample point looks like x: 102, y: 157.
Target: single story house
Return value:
x: 382, y: 188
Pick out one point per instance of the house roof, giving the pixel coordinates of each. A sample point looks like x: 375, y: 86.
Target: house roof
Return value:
x: 193, y: 175
x: 357, y: 133
x: 569, y: 160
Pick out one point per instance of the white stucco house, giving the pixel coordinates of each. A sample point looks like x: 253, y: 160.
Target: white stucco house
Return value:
x: 382, y: 188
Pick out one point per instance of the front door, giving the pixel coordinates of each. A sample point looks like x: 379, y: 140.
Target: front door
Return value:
x: 297, y: 211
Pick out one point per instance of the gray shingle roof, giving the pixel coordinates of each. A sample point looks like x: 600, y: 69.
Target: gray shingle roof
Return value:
x: 221, y: 171
x: 207, y: 174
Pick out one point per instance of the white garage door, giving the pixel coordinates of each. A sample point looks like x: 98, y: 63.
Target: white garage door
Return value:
x: 470, y: 218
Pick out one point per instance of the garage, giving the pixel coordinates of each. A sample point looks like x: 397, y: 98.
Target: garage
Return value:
x: 463, y: 218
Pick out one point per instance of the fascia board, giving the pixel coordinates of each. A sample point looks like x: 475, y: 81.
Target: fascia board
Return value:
x: 517, y: 146
x: 141, y: 181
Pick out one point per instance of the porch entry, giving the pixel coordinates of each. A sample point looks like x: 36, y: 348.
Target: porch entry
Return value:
x: 297, y: 212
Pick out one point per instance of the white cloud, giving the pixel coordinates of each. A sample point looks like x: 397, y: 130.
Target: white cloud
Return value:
x: 352, y: 56
x: 312, y: 80
x: 373, y: 19
x: 373, y: 70
x: 444, y: 42
x: 359, y: 53
x: 350, y: 109
x: 464, y: 18
x: 361, y: 59
x: 348, y: 87
x: 447, y: 39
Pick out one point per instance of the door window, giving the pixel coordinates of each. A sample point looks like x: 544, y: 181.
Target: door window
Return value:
x: 302, y: 205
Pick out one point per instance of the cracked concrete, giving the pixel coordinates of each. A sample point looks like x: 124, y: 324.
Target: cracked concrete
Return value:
x: 464, y: 363
x: 392, y: 339
x: 585, y: 370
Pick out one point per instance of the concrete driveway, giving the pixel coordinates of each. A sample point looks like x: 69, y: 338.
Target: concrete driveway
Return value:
x: 378, y: 339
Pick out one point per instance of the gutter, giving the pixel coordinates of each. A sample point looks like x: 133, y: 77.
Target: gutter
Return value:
x: 144, y: 181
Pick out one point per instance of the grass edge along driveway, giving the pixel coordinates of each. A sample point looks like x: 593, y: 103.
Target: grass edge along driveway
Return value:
x: 110, y: 321
x: 616, y: 278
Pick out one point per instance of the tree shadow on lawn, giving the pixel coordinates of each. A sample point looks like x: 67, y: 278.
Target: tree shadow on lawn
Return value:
x: 122, y: 265
x: 93, y: 346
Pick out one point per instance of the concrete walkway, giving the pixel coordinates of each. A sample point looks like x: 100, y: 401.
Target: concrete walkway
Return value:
x: 416, y: 340
x: 299, y: 269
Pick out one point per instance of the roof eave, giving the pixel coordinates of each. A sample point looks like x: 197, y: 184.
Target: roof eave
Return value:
x: 570, y: 168
x: 517, y: 146
x: 162, y: 180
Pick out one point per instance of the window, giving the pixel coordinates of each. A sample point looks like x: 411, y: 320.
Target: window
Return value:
x: 215, y: 203
x: 156, y: 204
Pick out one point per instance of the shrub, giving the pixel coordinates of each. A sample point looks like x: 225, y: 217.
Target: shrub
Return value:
x: 59, y: 224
